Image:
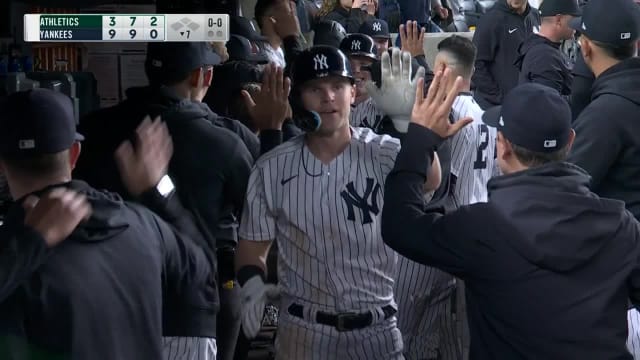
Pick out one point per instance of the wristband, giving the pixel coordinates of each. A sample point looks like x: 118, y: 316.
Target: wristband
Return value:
x: 249, y: 271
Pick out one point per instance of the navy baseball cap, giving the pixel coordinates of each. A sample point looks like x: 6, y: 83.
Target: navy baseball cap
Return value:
x: 179, y: 57
x: 37, y: 122
x: 546, y: 130
x: 242, y: 26
x: 375, y: 28
x: 613, y: 22
x: 559, y: 7
x: 241, y: 49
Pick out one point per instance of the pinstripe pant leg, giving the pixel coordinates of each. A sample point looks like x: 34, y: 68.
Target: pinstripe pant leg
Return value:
x: 189, y: 348
x: 449, y: 345
x: 633, y: 340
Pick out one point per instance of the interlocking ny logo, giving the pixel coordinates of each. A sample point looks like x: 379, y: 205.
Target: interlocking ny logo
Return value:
x: 320, y: 62
x: 355, y: 45
x: 377, y: 26
x: 368, y: 203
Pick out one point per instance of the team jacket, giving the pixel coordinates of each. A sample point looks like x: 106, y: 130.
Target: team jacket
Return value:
x: 351, y: 19
x: 583, y: 79
x: 549, y: 266
x: 210, y: 168
x: 540, y: 61
x: 607, y: 143
x: 98, y: 294
x: 497, y: 38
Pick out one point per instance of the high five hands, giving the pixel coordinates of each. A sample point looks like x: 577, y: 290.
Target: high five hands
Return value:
x: 433, y: 110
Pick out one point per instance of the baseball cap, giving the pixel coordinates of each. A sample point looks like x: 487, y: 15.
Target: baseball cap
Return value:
x: 179, y: 57
x: 241, y: 49
x: 242, y: 26
x: 620, y: 26
x: 559, y: 7
x: 228, y: 79
x: 37, y: 122
x: 543, y: 131
x: 375, y: 28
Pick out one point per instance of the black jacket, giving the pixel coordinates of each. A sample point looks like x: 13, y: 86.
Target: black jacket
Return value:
x: 583, y: 79
x: 540, y: 61
x: 549, y: 267
x: 210, y: 168
x: 351, y: 19
x: 607, y: 141
x: 98, y: 294
x: 497, y: 37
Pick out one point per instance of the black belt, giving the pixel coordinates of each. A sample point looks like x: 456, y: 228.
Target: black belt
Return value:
x: 343, y: 321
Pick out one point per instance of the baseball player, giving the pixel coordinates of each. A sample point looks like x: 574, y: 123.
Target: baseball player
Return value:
x: 424, y: 294
x: 320, y: 196
x: 362, y: 53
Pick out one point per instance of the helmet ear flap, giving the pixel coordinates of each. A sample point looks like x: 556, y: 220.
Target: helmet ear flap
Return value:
x: 308, y: 121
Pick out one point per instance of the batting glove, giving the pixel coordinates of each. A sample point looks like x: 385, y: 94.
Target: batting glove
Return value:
x: 397, y: 91
x: 255, y: 294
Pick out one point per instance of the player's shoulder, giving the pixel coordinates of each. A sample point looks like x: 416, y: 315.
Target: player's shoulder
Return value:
x: 287, y: 148
x: 378, y: 142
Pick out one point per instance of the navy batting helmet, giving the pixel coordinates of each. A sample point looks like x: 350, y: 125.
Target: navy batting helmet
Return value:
x: 328, y: 32
x: 359, y: 45
x: 318, y: 62
x: 315, y: 63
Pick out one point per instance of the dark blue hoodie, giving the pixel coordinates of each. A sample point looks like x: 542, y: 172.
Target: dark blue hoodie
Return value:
x: 607, y: 141
x: 540, y: 61
x: 549, y: 266
x: 497, y: 38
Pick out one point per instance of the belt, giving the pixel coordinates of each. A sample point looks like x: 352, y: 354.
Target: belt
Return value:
x: 343, y: 321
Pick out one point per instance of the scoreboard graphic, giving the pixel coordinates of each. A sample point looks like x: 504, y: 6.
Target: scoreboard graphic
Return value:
x: 125, y: 27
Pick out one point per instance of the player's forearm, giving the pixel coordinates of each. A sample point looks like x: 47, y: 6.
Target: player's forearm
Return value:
x: 252, y: 254
x: 434, y: 175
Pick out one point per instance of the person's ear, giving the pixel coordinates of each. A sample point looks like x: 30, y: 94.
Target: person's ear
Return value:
x: 572, y: 137
x: 353, y: 94
x: 74, y: 154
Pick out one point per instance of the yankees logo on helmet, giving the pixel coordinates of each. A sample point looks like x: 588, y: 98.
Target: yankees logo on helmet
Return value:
x: 320, y: 62
x: 359, y: 45
x: 377, y: 26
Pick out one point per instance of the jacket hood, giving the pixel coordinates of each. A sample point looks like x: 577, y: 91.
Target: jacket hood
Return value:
x: 546, y: 205
x: 107, y: 218
x: 530, y: 42
x: 164, y: 100
x: 621, y: 79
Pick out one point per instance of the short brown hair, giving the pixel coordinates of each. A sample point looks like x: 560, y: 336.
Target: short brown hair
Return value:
x: 38, y: 165
x: 532, y: 158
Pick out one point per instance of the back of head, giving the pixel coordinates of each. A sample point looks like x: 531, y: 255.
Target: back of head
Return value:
x: 460, y: 53
x: 614, y: 34
x: 537, y: 137
x: 228, y: 80
x: 328, y: 32
x: 37, y: 128
x: 261, y: 10
x: 170, y: 63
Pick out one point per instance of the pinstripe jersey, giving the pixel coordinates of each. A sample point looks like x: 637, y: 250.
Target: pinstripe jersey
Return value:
x: 326, y: 219
x: 366, y: 114
x: 473, y: 152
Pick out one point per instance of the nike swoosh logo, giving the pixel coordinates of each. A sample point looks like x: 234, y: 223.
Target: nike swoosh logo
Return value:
x: 511, y: 31
x: 284, y: 181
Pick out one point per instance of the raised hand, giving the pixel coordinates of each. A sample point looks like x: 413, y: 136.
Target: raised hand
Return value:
x: 396, y: 95
x: 269, y: 107
x: 142, y: 165
x: 56, y: 214
x: 412, y: 38
x: 285, y: 19
x: 433, y: 111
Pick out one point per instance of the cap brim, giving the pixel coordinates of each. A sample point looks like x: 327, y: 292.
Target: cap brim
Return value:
x: 576, y: 23
x: 492, y: 115
x: 212, y: 58
x: 79, y: 137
